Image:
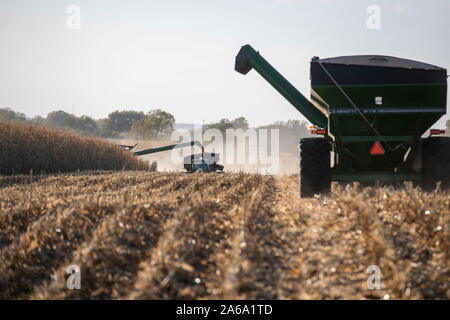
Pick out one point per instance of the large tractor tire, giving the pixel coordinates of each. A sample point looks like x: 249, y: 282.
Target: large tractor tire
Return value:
x: 315, y: 170
x: 436, y: 162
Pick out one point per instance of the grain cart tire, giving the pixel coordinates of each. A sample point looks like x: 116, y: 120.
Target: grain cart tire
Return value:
x: 436, y: 162
x: 315, y: 170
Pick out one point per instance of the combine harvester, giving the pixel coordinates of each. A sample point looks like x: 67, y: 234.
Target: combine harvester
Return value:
x: 202, y: 162
x: 372, y: 112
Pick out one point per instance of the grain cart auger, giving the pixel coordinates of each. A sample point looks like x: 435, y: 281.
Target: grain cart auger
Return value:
x: 371, y: 111
x: 202, y: 162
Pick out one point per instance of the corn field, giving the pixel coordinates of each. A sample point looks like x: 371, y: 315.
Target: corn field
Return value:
x: 25, y: 147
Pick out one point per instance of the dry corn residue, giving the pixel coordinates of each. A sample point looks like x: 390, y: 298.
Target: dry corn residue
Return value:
x: 156, y: 235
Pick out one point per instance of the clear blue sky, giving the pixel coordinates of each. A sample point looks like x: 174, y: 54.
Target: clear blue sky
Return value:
x: 179, y: 55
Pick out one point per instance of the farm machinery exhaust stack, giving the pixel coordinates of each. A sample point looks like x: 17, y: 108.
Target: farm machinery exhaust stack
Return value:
x: 371, y: 111
x: 202, y: 162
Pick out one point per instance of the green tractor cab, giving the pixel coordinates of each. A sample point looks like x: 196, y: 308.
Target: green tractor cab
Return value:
x: 202, y: 162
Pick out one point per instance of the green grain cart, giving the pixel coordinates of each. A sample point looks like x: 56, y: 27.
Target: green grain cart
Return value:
x: 370, y: 112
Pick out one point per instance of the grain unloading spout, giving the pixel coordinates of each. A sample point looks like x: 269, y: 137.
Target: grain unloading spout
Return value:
x: 172, y: 146
x: 248, y: 59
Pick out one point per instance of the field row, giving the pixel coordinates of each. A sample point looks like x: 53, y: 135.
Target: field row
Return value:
x: 142, y: 235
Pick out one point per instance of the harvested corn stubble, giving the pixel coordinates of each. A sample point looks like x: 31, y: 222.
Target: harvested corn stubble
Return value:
x: 155, y: 235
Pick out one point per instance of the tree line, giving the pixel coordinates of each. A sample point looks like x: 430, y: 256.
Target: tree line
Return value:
x: 156, y: 124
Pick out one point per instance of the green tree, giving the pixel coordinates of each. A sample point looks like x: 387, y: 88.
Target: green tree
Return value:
x: 298, y: 126
x: 224, y: 124
x: 86, y: 125
x: 83, y: 125
x: 38, y: 120
x: 240, y: 123
x: 157, y: 124
x: 121, y: 121
x: 9, y: 115
x: 60, y: 119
